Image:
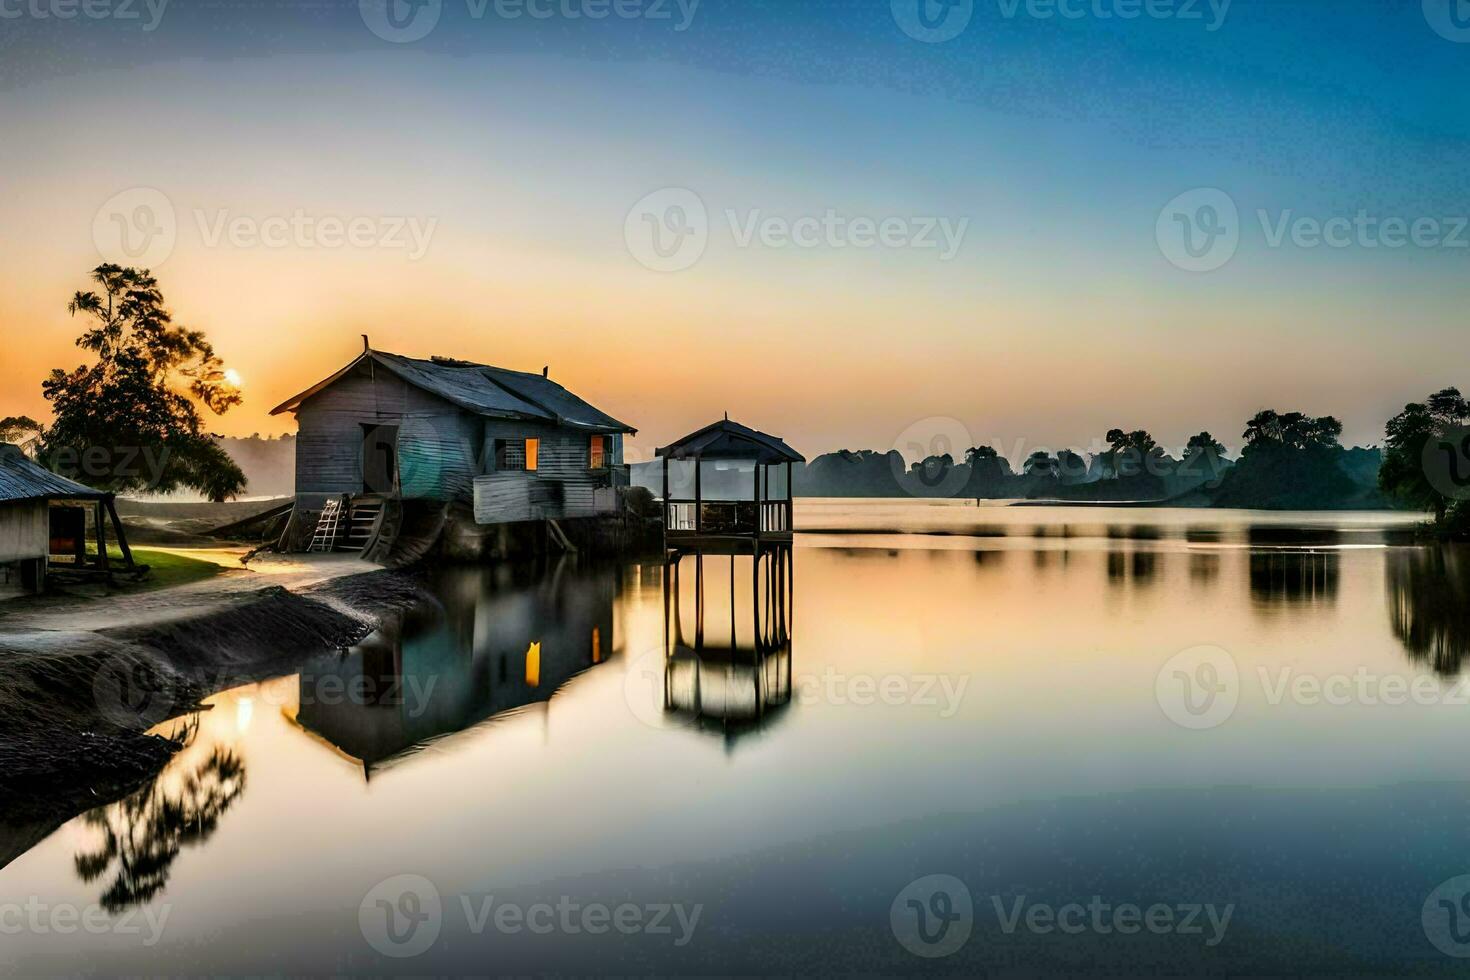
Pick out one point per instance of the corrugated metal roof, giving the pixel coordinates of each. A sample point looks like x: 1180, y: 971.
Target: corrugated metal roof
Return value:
x: 484, y: 390
x: 24, y: 479
x: 731, y: 440
x: 552, y: 397
x: 465, y: 386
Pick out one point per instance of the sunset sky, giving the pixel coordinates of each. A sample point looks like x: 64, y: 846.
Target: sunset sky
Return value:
x: 518, y: 147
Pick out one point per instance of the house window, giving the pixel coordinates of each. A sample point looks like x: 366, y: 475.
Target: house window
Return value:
x: 597, y: 453
x: 517, y: 454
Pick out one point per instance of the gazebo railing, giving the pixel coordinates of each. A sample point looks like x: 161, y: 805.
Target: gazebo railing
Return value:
x: 727, y: 516
x: 714, y: 516
x: 679, y: 515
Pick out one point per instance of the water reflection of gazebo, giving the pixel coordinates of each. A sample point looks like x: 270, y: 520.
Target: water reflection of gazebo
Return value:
x: 730, y: 525
x: 728, y: 670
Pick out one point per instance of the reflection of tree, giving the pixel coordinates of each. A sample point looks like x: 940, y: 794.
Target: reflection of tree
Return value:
x: 1429, y: 603
x: 143, y: 834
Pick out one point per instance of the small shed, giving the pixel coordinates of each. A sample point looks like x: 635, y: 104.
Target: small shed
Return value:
x: 43, y: 520
x: 695, y: 522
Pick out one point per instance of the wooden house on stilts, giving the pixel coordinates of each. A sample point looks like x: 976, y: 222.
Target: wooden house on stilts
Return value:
x: 389, y: 431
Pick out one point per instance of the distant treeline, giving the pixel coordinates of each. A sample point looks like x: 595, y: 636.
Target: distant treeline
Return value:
x: 1290, y: 461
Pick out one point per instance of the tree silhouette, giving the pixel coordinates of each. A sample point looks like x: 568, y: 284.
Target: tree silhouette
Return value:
x: 1402, y: 475
x: 1040, y: 463
x: 139, y: 396
x: 1293, y: 430
x: 1127, y: 452
x: 143, y: 834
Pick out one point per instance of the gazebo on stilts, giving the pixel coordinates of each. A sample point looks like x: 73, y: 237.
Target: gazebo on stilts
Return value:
x: 730, y: 526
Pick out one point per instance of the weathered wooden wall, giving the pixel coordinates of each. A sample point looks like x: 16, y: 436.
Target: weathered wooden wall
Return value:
x: 437, y: 442
x: 25, y: 530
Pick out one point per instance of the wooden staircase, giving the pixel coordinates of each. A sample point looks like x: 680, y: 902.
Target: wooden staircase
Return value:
x: 361, y: 527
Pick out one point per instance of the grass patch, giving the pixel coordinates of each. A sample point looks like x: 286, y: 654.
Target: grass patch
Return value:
x: 167, y: 569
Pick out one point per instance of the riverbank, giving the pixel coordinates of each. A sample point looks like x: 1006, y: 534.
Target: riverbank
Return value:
x: 89, y: 683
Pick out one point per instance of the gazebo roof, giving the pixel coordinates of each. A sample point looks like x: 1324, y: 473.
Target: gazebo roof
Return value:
x: 731, y: 440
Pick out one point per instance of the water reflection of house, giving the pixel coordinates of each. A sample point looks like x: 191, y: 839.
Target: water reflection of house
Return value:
x: 496, y: 643
x: 727, y: 639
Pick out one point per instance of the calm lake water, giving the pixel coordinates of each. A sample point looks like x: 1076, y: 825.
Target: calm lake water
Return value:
x: 1131, y: 740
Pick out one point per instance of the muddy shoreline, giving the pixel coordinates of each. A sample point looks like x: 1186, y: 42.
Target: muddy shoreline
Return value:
x: 77, y: 705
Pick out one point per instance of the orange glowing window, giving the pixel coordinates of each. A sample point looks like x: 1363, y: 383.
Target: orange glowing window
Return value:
x: 596, y: 645
x: 533, y: 450
x: 533, y: 665
x: 597, y: 452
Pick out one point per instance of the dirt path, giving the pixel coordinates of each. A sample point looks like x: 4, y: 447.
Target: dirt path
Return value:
x: 87, y: 612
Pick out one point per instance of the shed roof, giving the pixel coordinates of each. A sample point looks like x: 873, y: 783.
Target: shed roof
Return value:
x: 731, y: 440
x: 25, y: 479
x: 481, y: 389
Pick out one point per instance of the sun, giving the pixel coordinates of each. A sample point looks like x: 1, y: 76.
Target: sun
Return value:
x: 233, y: 377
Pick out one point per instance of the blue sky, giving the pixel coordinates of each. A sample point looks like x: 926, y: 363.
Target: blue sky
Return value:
x: 1057, y: 139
